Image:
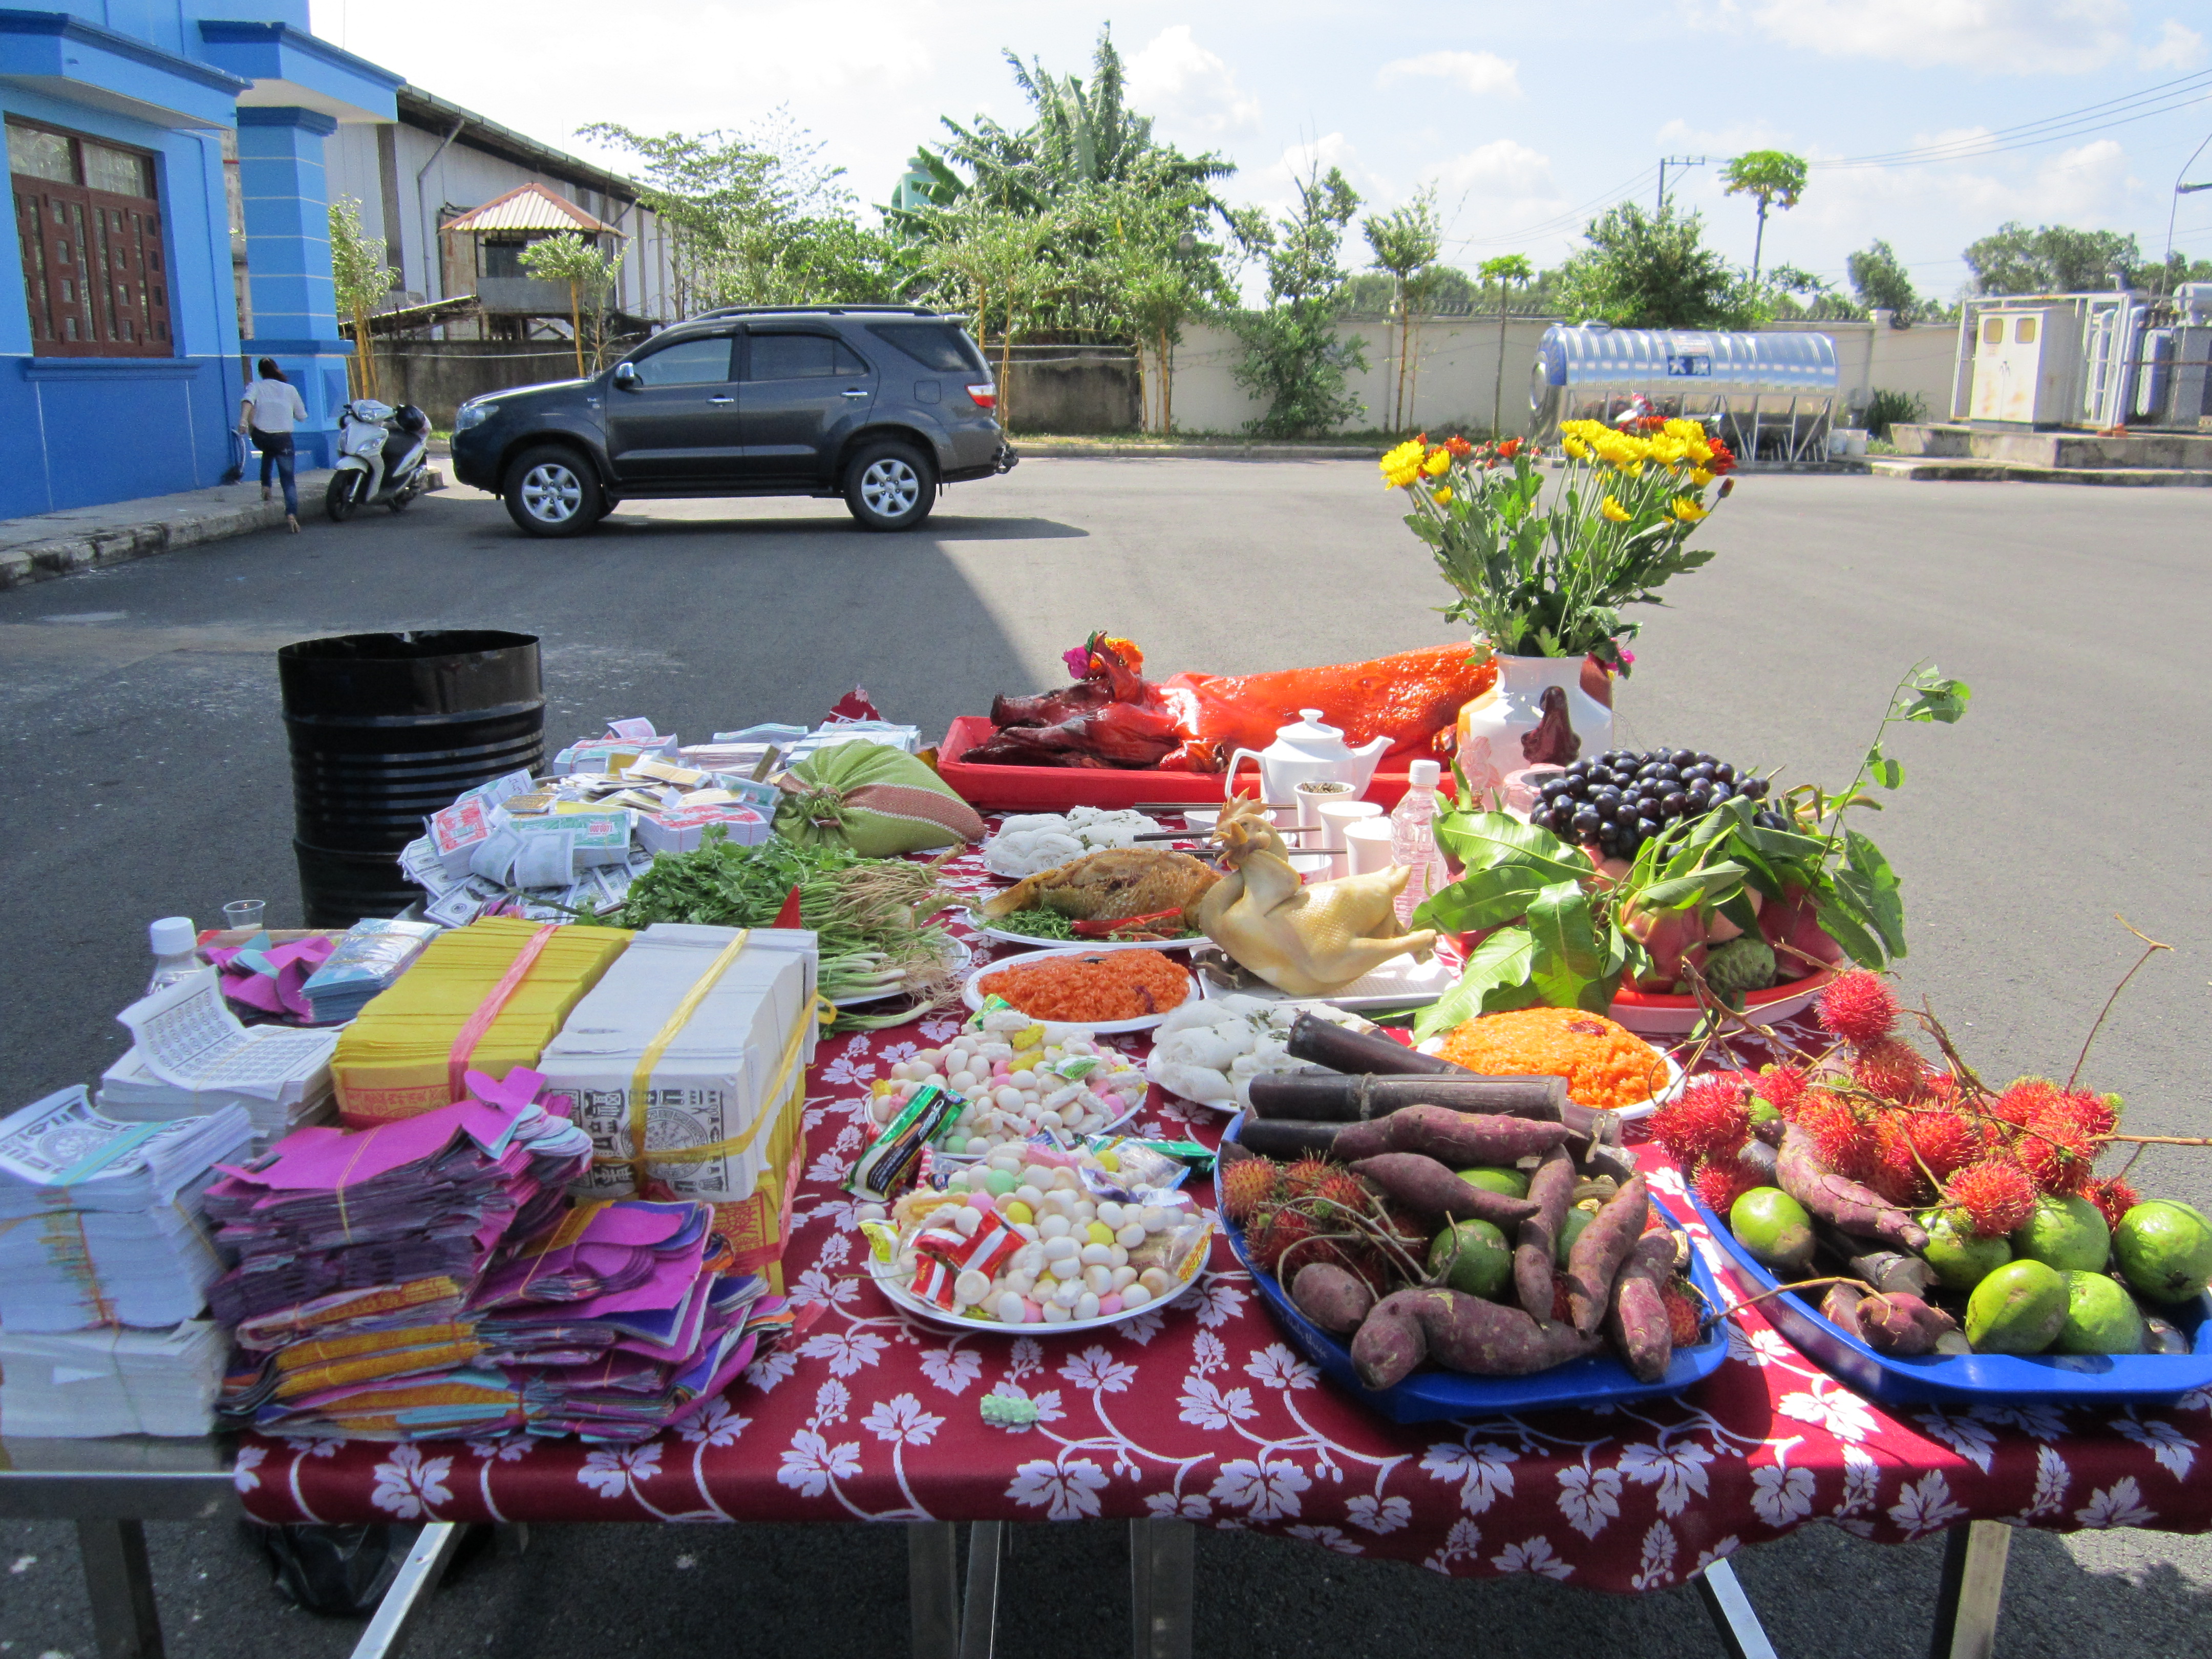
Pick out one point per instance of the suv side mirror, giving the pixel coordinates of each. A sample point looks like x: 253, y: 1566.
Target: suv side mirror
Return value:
x: 626, y: 376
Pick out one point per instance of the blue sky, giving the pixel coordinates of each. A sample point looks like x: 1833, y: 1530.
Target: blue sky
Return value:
x: 1527, y: 117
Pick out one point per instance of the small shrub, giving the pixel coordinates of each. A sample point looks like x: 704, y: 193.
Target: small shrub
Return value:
x: 1886, y: 408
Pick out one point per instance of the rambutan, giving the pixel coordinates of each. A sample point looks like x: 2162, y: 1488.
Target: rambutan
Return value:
x: 1944, y: 1141
x: 1896, y: 1173
x: 1275, y: 1232
x: 1844, y: 1141
x: 1997, y: 1197
x: 1713, y: 1115
x: 2115, y: 1196
x: 2095, y: 1115
x: 1890, y: 1069
x: 1781, y: 1087
x: 2022, y: 1099
x: 1246, y: 1185
x: 1305, y: 1176
x: 1683, y: 1317
x: 2053, y: 1149
x: 1858, y: 1006
x: 1720, y: 1181
x: 1344, y: 1190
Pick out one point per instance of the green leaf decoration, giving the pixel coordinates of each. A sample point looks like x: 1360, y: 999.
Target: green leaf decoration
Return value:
x: 1481, y: 841
x: 1713, y: 884
x: 1481, y: 899
x: 1568, y: 963
x: 1859, y: 945
x: 1495, y: 977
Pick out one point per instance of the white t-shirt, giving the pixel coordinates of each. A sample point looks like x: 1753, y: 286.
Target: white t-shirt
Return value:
x: 275, y: 404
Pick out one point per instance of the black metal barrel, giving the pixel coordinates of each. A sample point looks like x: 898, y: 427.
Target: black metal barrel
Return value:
x: 385, y: 729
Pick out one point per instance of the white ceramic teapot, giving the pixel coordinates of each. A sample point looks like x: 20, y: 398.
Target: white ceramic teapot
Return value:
x: 1307, y: 752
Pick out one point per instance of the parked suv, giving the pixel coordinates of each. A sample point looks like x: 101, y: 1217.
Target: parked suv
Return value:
x: 882, y: 405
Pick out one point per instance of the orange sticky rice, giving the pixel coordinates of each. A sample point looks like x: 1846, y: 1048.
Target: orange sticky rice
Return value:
x: 1605, y: 1065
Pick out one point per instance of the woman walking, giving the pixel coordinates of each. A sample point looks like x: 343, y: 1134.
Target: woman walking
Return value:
x: 267, y: 414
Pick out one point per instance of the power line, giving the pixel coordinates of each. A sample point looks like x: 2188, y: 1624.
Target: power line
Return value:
x: 1525, y: 234
x: 2163, y: 99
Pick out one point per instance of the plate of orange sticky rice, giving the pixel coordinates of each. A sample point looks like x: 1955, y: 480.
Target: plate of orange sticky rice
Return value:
x: 1607, y: 1066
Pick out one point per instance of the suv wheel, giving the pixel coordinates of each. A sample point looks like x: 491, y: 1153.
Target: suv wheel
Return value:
x: 889, y: 486
x: 552, y: 492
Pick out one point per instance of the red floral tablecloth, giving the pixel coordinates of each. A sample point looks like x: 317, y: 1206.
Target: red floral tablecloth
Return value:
x: 1203, y: 1412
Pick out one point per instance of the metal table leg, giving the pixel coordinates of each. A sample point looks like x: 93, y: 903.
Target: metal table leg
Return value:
x: 1161, y: 1554
x: 1732, y: 1613
x: 1973, y: 1591
x: 126, y: 1623
x: 933, y: 1588
x: 402, y: 1605
x: 979, y: 1619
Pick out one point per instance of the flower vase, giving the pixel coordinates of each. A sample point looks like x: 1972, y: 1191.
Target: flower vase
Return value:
x: 1493, y: 725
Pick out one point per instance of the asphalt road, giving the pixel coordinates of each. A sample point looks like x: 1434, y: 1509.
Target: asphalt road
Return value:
x: 145, y: 763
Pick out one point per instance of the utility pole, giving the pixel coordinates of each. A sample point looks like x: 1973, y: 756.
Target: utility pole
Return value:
x: 2181, y: 190
x: 1666, y: 161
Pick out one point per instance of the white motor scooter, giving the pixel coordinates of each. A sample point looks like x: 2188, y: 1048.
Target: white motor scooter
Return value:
x: 381, y: 455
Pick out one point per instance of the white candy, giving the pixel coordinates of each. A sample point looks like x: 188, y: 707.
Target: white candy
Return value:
x: 1098, y: 1280
x: 1098, y: 1256
x: 1086, y: 1306
x: 1029, y: 1194
x: 1111, y: 1214
x: 962, y: 1082
x: 1070, y: 1290
x: 872, y: 1212
x: 978, y: 1144
x: 1026, y: 1229
x: 1011, y: 1311
x: 1008, y: 1163
x: 1130, y: 1235
x: 1008, y: 1097
x: 1020, y: 1284
x: 1053, y: 1227
x: 971, y: 1287
x: 1038, y: 1175
x: 1134, y: 1296
x: 1061, y: 1247
x: 966, y: 1220
x: 1119, y: 1257
x: 1123, y: 1278
x: 1051, y: 1120
x: 995, y: 1051
x: 1054, y: 1314
x: 1154, y: 1280
x: 1067, y: 1181
x: 1155, y: 1217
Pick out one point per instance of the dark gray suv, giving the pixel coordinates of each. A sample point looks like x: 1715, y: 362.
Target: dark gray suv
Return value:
x: 882, y: 405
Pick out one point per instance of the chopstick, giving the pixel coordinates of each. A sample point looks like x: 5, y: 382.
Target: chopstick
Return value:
x: 1206, y: 805
x: 1200, y: 835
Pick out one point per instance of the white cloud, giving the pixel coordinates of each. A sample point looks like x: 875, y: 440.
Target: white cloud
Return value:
x: 2176, y: 47
x: 1182, y: 84
x: 2013, y: 37
x: 1501, y: 167
x: 1481, y: 73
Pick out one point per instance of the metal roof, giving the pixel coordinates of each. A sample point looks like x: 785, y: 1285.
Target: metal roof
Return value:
x: 1681, y: 359
x: 432, y: 113
x: 530, y: 207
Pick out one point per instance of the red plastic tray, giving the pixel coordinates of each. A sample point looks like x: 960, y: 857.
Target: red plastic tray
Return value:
x: 1056, y: 788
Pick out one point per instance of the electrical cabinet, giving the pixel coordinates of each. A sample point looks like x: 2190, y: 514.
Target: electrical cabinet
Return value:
x: 2027, y: 366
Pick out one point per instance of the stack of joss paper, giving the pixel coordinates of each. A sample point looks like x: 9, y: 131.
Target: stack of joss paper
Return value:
x: 687, y: 1067
x: 357, y: 1255
x: 488, y: 996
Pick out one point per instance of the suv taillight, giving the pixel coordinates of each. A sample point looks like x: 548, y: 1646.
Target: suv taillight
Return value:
x: 985, y: 395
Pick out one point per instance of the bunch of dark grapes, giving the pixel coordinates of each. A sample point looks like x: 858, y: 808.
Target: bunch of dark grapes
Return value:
x: 1622, y: 799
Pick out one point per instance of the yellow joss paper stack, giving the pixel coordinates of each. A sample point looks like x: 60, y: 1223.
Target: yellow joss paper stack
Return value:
x: 398, y: 1059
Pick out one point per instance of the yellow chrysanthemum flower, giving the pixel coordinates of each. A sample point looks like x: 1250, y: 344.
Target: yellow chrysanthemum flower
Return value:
x: 1402, y: 465
x: 1613, y: 510
x: 1439, y: 461
x: 1701, y: 477
x: 1687, y: 510
x: 1576, y: 447
x: 1441, y: 497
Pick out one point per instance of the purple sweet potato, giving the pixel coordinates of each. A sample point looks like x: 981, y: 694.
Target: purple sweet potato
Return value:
x: 1460, y: 1333
x: 1334, y: 1298
x: 1551, y: 1190
x: 1427, y: 1187
x: 1636, y: 1318
x: 1899, y: 1323
x: 1840, y: 1308
x: 1851, y: 1206
x: 1368, y: 1138
x: 1465, y: 1139
x: 1594, y: 1261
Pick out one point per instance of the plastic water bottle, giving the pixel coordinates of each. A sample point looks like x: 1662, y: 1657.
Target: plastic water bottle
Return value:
x: 172, y: 939
x: 1414, y: 838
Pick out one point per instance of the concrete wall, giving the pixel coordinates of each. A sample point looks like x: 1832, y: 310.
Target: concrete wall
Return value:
x: 437, y: 376
x: 1072, y: 389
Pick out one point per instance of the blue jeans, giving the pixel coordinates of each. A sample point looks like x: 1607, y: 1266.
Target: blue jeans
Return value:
x: 275, y: 449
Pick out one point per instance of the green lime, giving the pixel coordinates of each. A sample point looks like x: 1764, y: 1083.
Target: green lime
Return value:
x: 2101, y: 1317
x: 1511, y: 1182
x: 2166, y: 1251
x: 1762, y: 1111
x: 1961, y: 1260
x: 2019, y: 1309
x: 2069, y: 1234
x: 1774, y: 1227
x: 1571, y: 1229
x: 1484, y: 1264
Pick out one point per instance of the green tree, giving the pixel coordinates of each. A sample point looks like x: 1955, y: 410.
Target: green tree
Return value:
x: 994, y: 256
x: 1405, y: 242
x: 1652, y: 271
x: 1878, y: 276
x: 1293, y: 355
x: 576, y: 260
x: 2049, y: 259
x: 1506, y: 270
x: 1773, y: 179
x: 362, y: 279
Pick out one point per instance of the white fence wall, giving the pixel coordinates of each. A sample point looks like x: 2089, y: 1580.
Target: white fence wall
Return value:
x: 1455, y: 364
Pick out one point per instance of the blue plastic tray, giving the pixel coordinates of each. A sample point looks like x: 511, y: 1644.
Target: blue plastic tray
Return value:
x: 2058, y: 1379
x: 1431, y: 1394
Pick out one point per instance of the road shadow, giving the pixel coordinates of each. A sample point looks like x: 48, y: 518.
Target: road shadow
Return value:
x: 940, y: 528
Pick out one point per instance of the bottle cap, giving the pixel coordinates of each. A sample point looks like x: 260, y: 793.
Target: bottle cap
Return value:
x: 1424, y: 774
x: 172, y: 936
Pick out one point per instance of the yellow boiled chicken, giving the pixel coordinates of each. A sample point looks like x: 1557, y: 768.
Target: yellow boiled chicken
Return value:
x: 1307, y: 941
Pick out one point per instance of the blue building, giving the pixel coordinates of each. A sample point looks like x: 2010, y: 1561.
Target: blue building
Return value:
x: 120, y: 359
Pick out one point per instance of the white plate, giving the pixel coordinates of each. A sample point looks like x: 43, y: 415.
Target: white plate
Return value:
x: 881, y: 1272
x: 990, y: 930
x: 1401, y: 983
x: 972, y: 994
x: 957, y: 959
x: 1675, y: 1082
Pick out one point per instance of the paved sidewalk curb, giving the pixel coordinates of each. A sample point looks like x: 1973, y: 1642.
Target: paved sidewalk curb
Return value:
x: 50, y: 544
